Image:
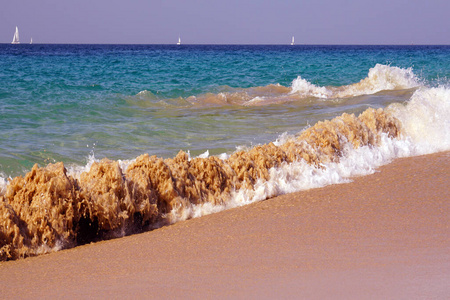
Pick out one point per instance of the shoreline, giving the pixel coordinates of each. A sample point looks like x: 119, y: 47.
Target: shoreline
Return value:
x: 384, y: 235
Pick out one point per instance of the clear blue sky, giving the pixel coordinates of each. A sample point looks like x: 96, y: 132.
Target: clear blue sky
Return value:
x: 227, y: 21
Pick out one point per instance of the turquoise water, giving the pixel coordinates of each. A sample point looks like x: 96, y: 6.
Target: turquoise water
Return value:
x: 248, y: 119
x: 69, y: 102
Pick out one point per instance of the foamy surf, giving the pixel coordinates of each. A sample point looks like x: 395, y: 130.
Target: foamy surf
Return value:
x: 3, y: 184
x: 425, y: 129
x: 379, y: 78
x: 51, y: 208
x: 425, y: 119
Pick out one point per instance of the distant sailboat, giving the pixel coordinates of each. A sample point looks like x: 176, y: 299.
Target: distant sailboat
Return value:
x: 16, y: 37
x: 179, y: 41
x: 31, y: 41
x: 293, y: 42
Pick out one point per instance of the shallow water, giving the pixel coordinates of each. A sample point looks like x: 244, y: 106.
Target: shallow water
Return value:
x: 223, y: 126
x: 67, y: 102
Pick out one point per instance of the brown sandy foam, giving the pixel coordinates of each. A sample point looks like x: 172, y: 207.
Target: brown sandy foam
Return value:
x: 47, y: 209
x: 383, y: 236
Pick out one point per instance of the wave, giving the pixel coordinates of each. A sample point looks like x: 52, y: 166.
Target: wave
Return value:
x: 425, y: 119
x: 146, y: 98
x: 380, y: 78
x: 52, y: 208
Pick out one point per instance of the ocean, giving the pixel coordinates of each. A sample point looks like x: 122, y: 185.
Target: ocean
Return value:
x: 102, y: 141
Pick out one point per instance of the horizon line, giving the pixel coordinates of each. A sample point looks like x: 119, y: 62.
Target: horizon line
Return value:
x: 230, y: 44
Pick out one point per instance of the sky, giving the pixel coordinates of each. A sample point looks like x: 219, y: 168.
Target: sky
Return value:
x: 227, y: 21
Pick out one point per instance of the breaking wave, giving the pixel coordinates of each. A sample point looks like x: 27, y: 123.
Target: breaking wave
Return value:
x: 52, y: 208
x: 380, y: 78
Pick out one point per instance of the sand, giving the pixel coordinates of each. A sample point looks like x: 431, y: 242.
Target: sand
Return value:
x: 382, y: 236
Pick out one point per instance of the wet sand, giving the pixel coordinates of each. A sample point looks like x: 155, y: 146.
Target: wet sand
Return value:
x: 383, y: 236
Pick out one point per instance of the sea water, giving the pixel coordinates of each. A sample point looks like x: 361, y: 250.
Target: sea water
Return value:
x: 78, y: 104
x: 66, y: 102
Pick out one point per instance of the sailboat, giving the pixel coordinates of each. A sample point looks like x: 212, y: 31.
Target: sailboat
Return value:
x: 293, y: 42
x: 31, y: 41
x: 16, y: 37
x: 179, y: 41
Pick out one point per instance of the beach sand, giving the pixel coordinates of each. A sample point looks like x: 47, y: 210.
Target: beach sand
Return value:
x: 383, y: 236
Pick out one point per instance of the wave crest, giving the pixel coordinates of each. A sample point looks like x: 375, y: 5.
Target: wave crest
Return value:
x: 48, y: 209
x: 379, y: 78
x: 425, y: 119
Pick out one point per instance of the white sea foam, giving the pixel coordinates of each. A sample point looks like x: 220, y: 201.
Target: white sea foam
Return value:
x: 425, y: 119
x: 255, y: 101
x: 379, y: 78
x: 145, y: 95
x: 204, y: 155
x: 426, y: 130
x: 298, y: 176
x: 3, y: 184
x: 224, y: 156
x: 304, y: 88
x: 76, y: 170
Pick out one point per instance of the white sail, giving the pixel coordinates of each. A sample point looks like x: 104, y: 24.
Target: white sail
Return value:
x: 293, y: 42
x: 16, y: 37
x: 179, y: 41
x: 31, y: 41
